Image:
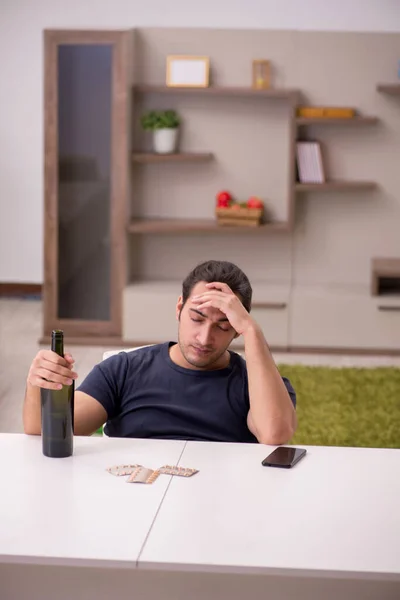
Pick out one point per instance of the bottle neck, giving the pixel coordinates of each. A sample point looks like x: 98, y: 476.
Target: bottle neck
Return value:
x: 57, y: 342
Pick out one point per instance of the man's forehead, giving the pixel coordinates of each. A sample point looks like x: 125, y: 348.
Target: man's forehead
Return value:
x: 199, y: 288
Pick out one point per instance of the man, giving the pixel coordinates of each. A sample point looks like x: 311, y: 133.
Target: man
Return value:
x: 195, y: 389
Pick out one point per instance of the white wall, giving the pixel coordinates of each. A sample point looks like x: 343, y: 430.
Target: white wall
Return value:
x: 21, y: 121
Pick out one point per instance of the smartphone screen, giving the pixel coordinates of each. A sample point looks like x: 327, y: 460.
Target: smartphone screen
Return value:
x: 284, y: 457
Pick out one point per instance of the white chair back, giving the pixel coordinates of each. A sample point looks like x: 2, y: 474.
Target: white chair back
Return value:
x: 109, y: 353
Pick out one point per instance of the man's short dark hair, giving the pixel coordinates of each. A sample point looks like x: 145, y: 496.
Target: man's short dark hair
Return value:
x: 224, y: 272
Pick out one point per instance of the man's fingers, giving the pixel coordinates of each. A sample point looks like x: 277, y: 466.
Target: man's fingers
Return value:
x: 220, y: 297
x: 217, y: 285
x: 51, y: 371
x: 207, y: 304
x: 56, y: 368
x: 48, y: 385
x: 54, y: 377
x: 209, y: 295
x: 52, y: 357
x: 215, y: 303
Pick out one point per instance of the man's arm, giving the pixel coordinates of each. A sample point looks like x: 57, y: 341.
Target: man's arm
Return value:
x: 272, y: 417
x: 48, y: 370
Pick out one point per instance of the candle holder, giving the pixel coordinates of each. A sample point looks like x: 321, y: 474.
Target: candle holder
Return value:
x: 261, y: 74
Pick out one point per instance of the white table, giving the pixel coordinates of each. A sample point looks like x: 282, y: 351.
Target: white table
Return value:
x: 71, y: 512
x: 326, y: 529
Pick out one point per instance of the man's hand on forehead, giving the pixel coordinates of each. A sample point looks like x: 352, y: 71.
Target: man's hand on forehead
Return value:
x: 220, y: 296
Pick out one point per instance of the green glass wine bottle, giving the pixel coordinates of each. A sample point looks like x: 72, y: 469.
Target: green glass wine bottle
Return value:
x: 58, y: 412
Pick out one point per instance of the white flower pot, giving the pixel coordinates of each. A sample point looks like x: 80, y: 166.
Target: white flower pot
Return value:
x: 165, y: 140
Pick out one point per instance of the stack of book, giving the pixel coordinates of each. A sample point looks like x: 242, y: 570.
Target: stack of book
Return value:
x: 310, y: 167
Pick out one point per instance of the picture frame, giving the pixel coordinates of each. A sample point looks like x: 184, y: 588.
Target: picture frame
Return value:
x: 188, y: 71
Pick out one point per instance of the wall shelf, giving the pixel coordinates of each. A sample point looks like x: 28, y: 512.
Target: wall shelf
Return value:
x: 335, y: 186
x: 389, y: 88
x: 235, y: 152
x: 152, y: 157
x: 144, y: 226
x: 354, y: 121
x: 281, y: 93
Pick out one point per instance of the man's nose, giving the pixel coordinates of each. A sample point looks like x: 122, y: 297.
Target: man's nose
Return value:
x: 205, y: 335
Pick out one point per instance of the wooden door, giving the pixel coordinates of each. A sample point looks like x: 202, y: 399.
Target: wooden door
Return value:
x: 86, y: 107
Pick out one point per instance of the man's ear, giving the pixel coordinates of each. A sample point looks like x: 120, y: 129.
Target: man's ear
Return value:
x: 179, y: 307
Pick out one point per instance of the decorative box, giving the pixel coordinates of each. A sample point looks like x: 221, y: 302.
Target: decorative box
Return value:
x: 248, y: 217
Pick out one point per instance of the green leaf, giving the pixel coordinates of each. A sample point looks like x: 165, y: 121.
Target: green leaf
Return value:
x: 160, y: 119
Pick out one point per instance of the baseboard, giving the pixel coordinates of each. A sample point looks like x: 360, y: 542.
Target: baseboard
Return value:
x: 20, y: 289
x: 345, y: 351
x: 332, y: 351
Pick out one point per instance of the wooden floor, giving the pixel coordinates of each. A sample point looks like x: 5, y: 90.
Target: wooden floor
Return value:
x: 21, y: 328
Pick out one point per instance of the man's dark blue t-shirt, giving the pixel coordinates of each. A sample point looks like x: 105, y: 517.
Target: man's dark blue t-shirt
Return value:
x: 146, y: 395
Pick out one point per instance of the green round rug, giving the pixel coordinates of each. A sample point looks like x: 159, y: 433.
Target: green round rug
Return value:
x: 346, y: 406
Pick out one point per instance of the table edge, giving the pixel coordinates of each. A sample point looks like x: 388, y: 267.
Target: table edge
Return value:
x: 50, y: 561
x: 263, y: 570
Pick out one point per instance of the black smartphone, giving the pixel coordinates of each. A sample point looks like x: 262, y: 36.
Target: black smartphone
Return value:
x: 284, y: 457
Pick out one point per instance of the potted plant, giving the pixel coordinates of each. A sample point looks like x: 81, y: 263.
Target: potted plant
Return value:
x: 165, y: 125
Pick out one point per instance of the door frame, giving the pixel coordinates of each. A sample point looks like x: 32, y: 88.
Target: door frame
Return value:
x: 119, y: 201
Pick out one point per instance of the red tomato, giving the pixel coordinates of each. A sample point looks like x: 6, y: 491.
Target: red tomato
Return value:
x: 254, y: 202
x: 224, y: 199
